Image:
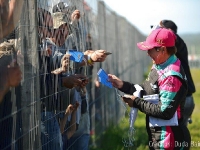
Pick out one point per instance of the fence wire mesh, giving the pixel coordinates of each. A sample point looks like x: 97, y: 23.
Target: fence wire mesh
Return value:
x: 38, y: 103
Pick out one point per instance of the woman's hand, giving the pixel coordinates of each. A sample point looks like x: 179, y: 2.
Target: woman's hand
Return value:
x: 128, y: 99
x: 116, y: 82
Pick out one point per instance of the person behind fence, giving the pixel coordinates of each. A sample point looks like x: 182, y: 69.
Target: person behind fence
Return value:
x: 53, y: 54
x: 51, y: 135
x: 10, y: 78
x: 54, y: 62
x: 80, y: 140
x: 9, y: 16
x: 67, y: 133
x: 165, y: 91
x: 182, y: 54
x: 10, y: 75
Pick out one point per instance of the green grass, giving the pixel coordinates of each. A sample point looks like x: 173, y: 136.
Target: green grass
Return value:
x: 194, y: 127
x: 111, y: 139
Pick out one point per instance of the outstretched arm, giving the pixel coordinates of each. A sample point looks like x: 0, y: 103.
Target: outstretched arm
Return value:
x: 63, y: 121
x: 72, y: 127
x: 71, y: 109
x: 92, y: 56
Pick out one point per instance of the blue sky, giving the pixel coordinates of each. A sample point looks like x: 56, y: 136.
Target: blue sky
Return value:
x: 143, y: 13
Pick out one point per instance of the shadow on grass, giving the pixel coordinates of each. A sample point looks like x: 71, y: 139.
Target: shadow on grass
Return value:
x: 111, y: 139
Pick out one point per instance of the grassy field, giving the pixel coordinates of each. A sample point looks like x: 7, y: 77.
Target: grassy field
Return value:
x: 112, y: 138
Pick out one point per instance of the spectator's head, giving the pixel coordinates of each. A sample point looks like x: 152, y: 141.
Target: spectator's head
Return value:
x: 168, y: 24
x: 60, y: 24
x: 160, y: 45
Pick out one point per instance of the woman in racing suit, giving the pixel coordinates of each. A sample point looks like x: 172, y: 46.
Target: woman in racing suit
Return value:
x: 167, y: 81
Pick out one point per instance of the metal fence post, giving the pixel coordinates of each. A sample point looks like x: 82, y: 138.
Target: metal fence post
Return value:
x: 30, y: 84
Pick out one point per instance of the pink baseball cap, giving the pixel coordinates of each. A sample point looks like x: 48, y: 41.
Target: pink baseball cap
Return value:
x: 157, y: 38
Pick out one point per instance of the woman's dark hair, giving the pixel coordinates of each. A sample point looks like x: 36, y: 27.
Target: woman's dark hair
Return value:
x: 170, y: 24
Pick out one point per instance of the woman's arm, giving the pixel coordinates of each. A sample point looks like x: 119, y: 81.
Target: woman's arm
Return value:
x: 172, y: 93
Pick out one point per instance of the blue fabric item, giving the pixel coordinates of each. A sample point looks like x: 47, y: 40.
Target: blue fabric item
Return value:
x: 65, y: 141
x: 103, y: 78
x: 50, y: 132
x: 76, y: 55
x: 79, y: 143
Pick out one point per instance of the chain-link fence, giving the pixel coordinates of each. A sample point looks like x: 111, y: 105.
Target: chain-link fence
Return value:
x: 30, y: 113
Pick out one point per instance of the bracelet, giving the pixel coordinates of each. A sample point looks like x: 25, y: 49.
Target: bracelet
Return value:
x: 89, y: 60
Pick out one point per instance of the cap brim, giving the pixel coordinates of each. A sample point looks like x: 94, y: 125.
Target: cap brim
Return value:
x: 144, y: 46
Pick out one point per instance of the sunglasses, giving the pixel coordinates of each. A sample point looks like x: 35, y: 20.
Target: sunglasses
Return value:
x: 160, y: 25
